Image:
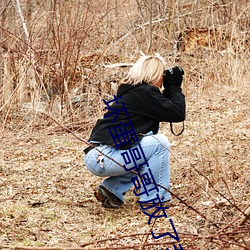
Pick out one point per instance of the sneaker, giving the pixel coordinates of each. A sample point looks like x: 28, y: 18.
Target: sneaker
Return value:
x: 107, y: 199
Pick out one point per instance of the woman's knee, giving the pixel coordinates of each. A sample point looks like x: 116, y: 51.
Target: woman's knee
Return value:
x: 158, y: 140
x: 162, y: 140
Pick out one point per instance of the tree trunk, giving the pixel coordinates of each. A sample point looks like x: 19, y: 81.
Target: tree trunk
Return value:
x: 6, y: 66
x: 171, y: 20
x: 203, y: 20
x: 150, y: 10
x: 28, y: 87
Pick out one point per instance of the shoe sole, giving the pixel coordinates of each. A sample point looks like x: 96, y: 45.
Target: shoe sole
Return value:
x: 102, y: 196
x: 152, y: 205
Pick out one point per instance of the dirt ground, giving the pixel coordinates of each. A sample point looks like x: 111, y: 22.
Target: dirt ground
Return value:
x: 46, y: 192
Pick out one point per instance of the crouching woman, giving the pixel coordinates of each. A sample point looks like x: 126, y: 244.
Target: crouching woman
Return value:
x: 126, y: 147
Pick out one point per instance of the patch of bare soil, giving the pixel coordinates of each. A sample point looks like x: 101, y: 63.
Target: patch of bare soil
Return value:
x: 46, y: 192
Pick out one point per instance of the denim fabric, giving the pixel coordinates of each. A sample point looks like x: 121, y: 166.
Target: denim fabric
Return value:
x: 119, y: 180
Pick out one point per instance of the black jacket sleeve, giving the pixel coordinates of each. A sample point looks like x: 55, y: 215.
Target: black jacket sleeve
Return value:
x: 169, y: 107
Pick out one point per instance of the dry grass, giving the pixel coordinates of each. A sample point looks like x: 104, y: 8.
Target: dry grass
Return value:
x: 46, y: 192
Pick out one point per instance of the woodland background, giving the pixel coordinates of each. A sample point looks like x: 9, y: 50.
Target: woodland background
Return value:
x: 59, y: 59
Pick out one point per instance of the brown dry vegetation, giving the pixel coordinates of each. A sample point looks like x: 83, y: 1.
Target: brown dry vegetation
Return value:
x: 59, y: 66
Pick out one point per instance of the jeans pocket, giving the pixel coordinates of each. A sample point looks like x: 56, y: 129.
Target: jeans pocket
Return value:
x: 95, y: 160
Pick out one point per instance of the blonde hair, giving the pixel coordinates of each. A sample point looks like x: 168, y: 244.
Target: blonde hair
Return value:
x: 148, y: 69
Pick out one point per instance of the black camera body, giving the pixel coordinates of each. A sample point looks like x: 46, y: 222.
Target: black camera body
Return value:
x: 172, y: 69
x: 169, y: 70
x: 173, y: 76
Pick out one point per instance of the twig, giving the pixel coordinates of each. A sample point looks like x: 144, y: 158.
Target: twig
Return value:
x: 184, y: 235
x: 228, y: 225
x: 180, y: 199
x: 131, y: 171
x: 218, y: 190
x: 111, y: 66
x: 217, y: 163
x: 147, y: 235
x: 173, y: 194
x: 236, y: 244
x: 246, y: 217
x: 130, y: 235
x: 19, y: 11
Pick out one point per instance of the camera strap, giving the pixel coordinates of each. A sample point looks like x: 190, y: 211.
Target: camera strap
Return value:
x: 172, y: 130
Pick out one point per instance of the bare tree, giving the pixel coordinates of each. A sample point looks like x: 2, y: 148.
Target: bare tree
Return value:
x: 171, y: 19
x: 203, y: 22
x: 27, y: 85
x: 150, y: 10
x: 7, y: 61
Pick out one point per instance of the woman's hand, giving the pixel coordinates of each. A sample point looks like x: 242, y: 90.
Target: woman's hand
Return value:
x: 173, y: 77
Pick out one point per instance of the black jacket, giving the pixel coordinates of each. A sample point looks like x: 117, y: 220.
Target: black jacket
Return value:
x: 146, y: 106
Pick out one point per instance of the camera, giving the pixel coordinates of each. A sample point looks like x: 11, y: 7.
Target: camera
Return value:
x: 173, y: 76
x: 171, y: 70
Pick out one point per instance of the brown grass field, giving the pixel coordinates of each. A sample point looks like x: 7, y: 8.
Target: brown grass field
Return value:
x: 63, y: 68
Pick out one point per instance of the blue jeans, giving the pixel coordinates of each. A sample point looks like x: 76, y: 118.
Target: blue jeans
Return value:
x: 119, y: 180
